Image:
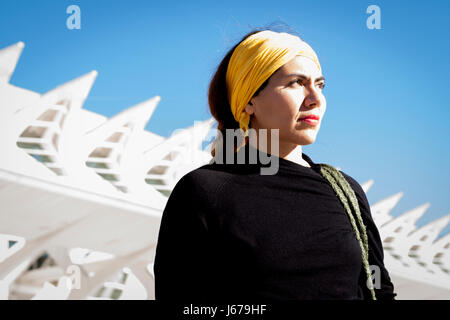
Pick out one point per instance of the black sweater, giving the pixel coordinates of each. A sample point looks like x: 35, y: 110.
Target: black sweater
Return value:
x: 229, y: 233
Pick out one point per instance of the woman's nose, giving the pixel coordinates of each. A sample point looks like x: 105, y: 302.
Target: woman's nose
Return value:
x: 312, y: 97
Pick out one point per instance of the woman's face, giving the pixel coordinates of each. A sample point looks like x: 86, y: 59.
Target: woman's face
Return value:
x: 293, y: 92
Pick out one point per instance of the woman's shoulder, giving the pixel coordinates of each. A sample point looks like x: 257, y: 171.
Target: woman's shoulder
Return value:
x: 359, y: 191
x: 207, y: 174
x: 203, y: 181
x: 353, y: 183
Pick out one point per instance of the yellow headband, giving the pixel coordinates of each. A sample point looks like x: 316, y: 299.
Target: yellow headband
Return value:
x: 253, y: 62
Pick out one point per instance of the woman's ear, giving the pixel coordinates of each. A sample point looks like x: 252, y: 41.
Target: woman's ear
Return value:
x: 249, y: 108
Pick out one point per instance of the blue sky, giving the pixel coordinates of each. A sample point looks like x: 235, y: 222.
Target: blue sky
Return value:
x: 387, y: 96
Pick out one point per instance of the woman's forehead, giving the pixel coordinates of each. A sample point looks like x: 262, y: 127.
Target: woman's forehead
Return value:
x: 300, y: 64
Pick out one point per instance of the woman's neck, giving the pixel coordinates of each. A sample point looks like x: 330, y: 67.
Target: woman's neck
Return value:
x: 295, y: 155
x: 287, y: 151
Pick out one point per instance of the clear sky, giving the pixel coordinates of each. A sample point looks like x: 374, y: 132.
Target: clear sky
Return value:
x: 388, y: 108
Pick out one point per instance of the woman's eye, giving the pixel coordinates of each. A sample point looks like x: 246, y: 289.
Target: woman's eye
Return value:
x: 300, y: 82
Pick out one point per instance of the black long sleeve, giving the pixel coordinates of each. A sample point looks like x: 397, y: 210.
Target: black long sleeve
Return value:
x: 229, y: 233
x: 182, y: 262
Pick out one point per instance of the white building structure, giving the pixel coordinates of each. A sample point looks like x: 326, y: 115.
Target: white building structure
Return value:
x: 81, y: 197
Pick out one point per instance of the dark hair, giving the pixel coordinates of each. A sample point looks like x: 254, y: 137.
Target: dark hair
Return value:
x: 219, y: 105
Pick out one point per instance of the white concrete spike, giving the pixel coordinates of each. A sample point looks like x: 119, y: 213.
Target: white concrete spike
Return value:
x: 127, y: 130
x: 156, y: 153
x: 404, y: 224
x: 394, y: 233
x: 367, y: 185
x: 443, y: 242
x: 432, y: 229
x: 380, y: 210
x: 8, y: 60
x: 71, y: 96
x: 423, y: 249
x: 205, y: 123
x: 436, y: 250
x: 211, y: 135
x: 138, y: 114
x: 75, y: 90
x: 199, y: 131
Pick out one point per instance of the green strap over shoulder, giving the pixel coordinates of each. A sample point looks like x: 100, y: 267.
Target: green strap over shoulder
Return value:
x: 348, y: 198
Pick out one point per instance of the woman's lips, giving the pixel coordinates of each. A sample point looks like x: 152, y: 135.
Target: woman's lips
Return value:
x: 312, y: 120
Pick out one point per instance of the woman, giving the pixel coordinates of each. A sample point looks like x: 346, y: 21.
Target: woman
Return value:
x: 229, y: 232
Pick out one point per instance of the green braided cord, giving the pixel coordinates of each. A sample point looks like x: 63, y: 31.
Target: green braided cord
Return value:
x: 344, y: 201
x: 345, y: 192
x: 348, y: 191
x: 334, y: 180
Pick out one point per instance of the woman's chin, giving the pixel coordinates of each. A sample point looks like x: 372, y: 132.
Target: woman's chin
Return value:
x: 306, y: 139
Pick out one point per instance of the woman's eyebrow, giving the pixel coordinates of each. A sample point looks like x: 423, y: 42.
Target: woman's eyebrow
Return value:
x: 304, y: 77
